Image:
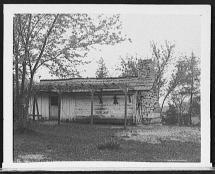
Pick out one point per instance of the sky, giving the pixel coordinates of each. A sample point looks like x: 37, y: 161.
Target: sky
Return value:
x: 183, y: 30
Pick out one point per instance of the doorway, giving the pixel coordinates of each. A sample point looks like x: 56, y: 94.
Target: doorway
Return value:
x: 53, y: 107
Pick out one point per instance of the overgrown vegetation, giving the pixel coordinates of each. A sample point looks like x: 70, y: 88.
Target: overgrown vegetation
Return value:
x: 102, y: 71
x: 171, y: 116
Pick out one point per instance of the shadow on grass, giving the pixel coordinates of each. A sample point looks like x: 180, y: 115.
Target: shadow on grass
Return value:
x: 80, y: 142
x: 109, y: 145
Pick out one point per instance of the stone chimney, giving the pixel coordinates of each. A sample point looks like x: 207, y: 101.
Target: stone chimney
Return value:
x: 145, y: 68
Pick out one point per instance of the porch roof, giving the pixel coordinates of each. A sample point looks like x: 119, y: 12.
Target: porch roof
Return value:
x: 86, y: 84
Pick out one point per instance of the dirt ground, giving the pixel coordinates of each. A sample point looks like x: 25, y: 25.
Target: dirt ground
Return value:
x: 80, y: 142
x: 155, y: 134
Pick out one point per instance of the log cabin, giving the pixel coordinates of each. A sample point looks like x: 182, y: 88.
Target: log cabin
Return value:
x: 127, y: 100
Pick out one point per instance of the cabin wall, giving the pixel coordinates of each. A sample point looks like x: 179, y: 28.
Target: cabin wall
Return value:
x: 67, y: 107
x: 141, y: 105
x: 43, y: 106
x: 79, y: 106
x: 110, y: 110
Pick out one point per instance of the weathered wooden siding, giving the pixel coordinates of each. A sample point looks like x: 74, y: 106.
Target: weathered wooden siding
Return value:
x: 78, y: 105
x: 67, y: 107
x: 39, y: 101
x: 30, y: 108
x: 73, y: 107
x: 43, y: 106
x: 110, y: 110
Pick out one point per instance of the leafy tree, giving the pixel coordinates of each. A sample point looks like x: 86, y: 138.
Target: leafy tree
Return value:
x: 193, y: 80
x: 58, y: 42
x: 178, y: 78
x: 102, y: 71
x: 185, y: 84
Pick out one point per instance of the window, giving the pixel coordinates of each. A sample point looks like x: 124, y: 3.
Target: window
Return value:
x: 54, y: 100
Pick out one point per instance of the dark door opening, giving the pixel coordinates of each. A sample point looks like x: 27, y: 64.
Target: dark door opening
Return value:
x: 54, y: 107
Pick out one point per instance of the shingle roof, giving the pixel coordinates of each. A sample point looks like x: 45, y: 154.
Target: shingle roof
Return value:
x: 142, y: 82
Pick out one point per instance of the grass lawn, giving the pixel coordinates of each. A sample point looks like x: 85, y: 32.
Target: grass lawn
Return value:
x: 83, y: 142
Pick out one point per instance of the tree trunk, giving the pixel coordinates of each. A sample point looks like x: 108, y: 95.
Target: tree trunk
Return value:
x: 125, y: 119
x: 191, y: 91
x: 190, y: 114
x: 164, y: 101
x: 34, y: 103
x: 16, y: 113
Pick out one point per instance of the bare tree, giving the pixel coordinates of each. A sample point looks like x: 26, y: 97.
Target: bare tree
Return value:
x: 162, y: 55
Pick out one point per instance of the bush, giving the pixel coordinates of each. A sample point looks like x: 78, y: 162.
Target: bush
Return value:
x: 186, y: 119
x: 171, y: 116
x: 109, y: 145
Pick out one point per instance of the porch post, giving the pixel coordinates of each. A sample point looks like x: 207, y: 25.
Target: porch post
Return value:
x: 34, y: 102
x: 125, y: 119
x: 92, y: 99
x: 135, y: 108
x: 59, y: 106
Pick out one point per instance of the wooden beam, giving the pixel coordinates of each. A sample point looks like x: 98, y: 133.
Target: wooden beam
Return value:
x: 92, y: 99
x: 59, y: 106
x: 135, y: 107
x: 37, y: 106
x: 126, y: 96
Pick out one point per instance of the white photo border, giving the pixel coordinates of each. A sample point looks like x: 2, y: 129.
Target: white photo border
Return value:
x: 11, y: 9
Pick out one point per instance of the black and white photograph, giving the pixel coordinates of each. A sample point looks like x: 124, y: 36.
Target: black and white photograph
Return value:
x: 107, y: 83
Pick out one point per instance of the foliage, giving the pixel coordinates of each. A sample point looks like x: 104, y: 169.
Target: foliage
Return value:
x: 129, y: 66
x: 171, y: 115
x: 60, y: 42
x: 196, y: 106
x: 187, y: 80
x: 102, y: 71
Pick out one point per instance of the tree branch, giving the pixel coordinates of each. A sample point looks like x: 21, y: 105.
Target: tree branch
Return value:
x: 44, y: 43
